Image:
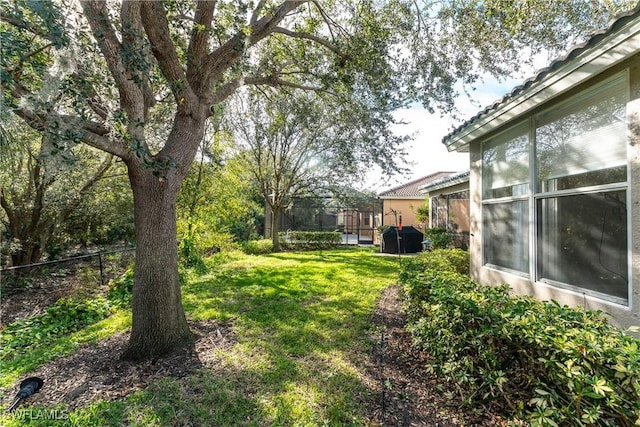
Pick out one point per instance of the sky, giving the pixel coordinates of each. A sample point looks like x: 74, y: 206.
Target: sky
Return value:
x: 429, y: 153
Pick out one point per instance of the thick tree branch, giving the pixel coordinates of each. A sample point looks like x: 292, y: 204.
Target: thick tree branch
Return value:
x: 96, y: 135
x: 256, y: 11
x: 111, y: 48
x: 93, y: 99
x: 92, y: 133
x: 311, y: 37
x: 156, y: 26
x: 199, y: 43
x: 226, y: 90
x: 127, y: 74
x: 221, y: 59
x: 136, y: 65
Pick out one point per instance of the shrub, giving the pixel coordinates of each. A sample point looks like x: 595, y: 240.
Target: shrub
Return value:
x: 257, y: 247
x: 310, y: 240
x: 191, y: 255
x: 417, y: 275
x: 440, y: 237
x: 546, y: 363
x: 121, y: 289
x: 61, y: 318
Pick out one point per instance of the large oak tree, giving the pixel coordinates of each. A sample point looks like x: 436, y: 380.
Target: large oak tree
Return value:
x: 113, y: 75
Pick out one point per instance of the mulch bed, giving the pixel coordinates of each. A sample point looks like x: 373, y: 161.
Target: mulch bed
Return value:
x: 405, y: 393
x: 95, y: 372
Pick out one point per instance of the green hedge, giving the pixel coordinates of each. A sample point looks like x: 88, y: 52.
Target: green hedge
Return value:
x: 544, y: 363
x: 310, y: 240
x: 440, y: 237
x: 257, y: 247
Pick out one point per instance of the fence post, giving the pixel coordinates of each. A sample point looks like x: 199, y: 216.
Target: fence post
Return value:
x: 101, y: 273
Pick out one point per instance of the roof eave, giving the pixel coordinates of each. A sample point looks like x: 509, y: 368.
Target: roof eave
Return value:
x: 458, y: 180
x: 392, y: 197
x: 611, y: 50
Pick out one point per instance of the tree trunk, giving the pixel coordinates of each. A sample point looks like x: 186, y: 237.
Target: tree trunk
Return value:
x: 30, y: 253
x: 159, y: 322
x: 275, y: 229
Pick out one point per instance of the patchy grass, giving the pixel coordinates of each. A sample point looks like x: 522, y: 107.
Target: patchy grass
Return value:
x: 300, y: 321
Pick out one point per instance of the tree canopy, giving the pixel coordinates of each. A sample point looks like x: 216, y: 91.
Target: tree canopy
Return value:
x: 48, y: 198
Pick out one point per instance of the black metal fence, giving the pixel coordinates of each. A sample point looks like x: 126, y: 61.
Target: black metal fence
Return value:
x: 93, y: 269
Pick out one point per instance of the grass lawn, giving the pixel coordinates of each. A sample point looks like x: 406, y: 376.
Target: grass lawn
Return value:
x: 300, y: 320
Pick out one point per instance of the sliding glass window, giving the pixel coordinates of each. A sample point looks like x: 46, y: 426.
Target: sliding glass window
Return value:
x: 581, y: 192
x: 505, y: 196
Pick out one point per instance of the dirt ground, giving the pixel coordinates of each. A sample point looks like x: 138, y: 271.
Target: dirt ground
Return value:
x: 95, y: 372
x: 402, y: 392
x: 406, y: 394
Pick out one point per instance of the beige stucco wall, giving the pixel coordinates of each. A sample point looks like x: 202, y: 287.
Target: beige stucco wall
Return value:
x: 405, y: 207
x: 633, y: 111
x: 623, y: 316
x: 458, y: 209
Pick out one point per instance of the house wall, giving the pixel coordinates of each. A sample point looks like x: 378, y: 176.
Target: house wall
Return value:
x: 449, y: 208
x: 633, y: 111
x: 621, y: 315
x: 404, y: 207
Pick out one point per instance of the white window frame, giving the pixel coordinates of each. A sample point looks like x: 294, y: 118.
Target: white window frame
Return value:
x: 510, y: 199
x: 594, y: 189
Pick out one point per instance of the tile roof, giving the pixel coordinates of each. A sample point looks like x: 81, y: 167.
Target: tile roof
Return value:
x: 445, y: 181
x: 617, y: 22
x: 411, y: 189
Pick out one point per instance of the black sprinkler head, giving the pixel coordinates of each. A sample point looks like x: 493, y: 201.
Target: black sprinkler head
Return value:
x: 28, y: 387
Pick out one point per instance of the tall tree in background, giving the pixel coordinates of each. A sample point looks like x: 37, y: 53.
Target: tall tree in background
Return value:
x: 300, y: 144
x: 101, y: 73
x: 216, y: 205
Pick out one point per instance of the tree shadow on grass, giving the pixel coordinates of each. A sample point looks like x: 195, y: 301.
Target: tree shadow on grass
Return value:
x: 300, y: 319
x: 296, y: 325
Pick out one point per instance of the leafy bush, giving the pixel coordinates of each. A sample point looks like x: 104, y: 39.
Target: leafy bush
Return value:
x: 546, y: 363
x: 121, y: 289
x: 61, y: 318
x: 190, y: 255
x: 257, y: 247
x: 440, y: 237
x: 310, y: 240
x: 416, y: 278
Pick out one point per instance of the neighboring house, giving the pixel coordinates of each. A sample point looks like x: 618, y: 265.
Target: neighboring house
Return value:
x: 555, y: 179
x: 404, y: 200
x: 449, y: 205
